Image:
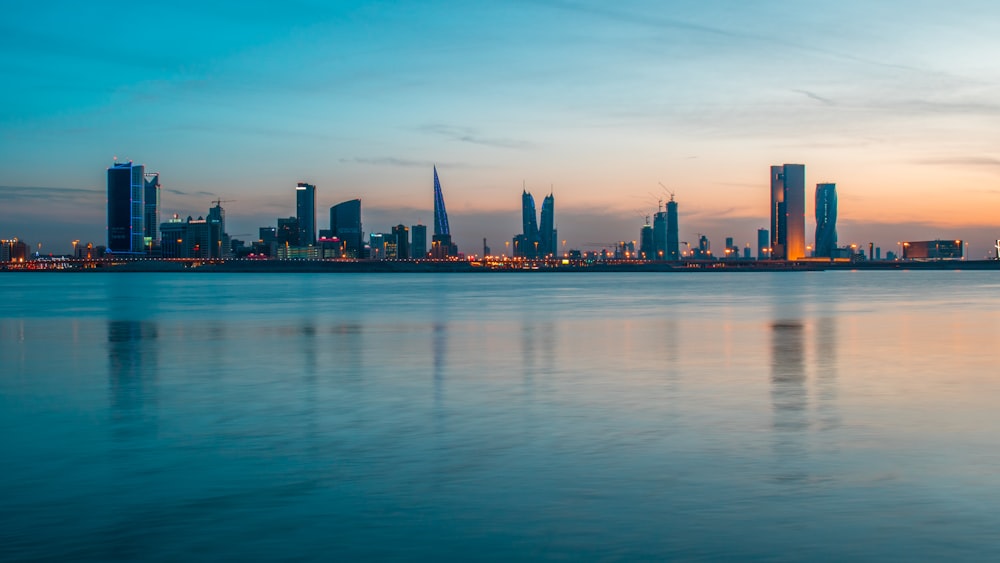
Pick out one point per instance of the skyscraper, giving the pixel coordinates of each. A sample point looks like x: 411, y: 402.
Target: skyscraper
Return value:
x: 441, y: 244
x: 826, y: 220
x: 151, y: 197
x: 660, y: 236
x: 126, y: 191
x: 305, y: 212
x: 527, y: 243
x: 788, y: 212
x: 289, y: 232
x: 763, y: 244
x: 345, y: 224
x: 673, y: 243
x: 402, y: 234
x: 646, y: 241
x: 440, y: 213
x: 547, y: 231
x: 418, y: 245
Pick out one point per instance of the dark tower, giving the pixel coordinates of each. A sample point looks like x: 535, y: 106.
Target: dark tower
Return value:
x: 441, y: 244
x: 126, y: 188
x: 305, y: 212
x: 151, y: 195
x: 528, y: 243
x: 345, y: 224
x: 826, y: 220
x: 673, y: 242
x: 418, y: 247
x: 547, y: 230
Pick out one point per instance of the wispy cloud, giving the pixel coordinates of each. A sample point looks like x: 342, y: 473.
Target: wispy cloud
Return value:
x: 815, y: 96
x: 470, y: 135
x: 963, y: 161
x: 24, y: 193
x: 400, y: 162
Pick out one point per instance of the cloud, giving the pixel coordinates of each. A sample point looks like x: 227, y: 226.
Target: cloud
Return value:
x: 964, y: 161
x: 470, y: 135
x: 815, y: 96
x: 401, y: 162
x: 25, y: 193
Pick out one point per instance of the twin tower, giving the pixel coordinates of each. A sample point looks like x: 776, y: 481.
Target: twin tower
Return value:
x: 788, y: 214
x: 538, y: 239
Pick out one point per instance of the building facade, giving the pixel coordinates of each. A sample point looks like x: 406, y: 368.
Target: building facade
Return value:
x: 933, y: 250
x: 345, y: 224
x: 418, y: 242
x: 672, y: 251
x: 151, y: 197
x: 826, y: 221
x: 305, y: 212
x: 126, y: 208
x: 788, y: 212
x: 441, y: 244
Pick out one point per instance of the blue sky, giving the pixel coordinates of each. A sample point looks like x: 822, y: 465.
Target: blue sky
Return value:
x: 895, y: 102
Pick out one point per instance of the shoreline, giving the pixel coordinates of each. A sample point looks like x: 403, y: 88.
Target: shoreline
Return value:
x: 443, y: 266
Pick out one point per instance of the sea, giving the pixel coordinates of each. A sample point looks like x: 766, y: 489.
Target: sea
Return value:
x: 764, y: 416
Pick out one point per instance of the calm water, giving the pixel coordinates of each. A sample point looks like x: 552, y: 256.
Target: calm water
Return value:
x: 764, y: 416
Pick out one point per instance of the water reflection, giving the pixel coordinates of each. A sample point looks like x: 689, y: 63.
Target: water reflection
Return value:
x: 826, y: 353
x: 439, y: 348
x: 133, y: 361
x: 788, y: 376
x: 538, y: 355
x: 789, y: 400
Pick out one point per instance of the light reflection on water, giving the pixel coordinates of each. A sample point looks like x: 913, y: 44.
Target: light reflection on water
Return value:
x: 772, y: 416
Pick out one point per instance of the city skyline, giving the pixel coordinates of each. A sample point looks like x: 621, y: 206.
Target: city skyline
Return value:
x: 897, y: 107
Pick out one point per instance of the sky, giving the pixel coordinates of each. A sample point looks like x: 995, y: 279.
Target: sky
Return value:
x: 898, y: 103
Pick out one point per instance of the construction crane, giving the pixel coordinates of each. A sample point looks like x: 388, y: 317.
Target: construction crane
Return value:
x: 218, y: 201
x: 668, y: 190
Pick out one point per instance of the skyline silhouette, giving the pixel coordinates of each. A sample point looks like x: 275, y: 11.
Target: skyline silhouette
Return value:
x: 894, y: 103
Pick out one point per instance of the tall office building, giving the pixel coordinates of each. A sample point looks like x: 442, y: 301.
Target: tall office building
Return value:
x: 126, y: 209
x: 305, y: 212
x: 646, y: 242
x: 418, y: 241
x: 529, y: 225
x: 289, y: 232
x: 673, y: 243
x: 151, y: 197
x: 763, y: 244
x: 547, y: 231
x: 788, y: 212
x: 345, y: 224
x: 660, y: 236
x: 826, y: 220
x: 527, y: 243
x: 441, y: 243
x: 402, y: 235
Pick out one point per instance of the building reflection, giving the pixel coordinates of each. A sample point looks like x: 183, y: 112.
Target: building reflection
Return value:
x: 826, y: 353
x: 788, y: 376
x: 133, y: 363
x: 538, y: 341
x: 439, y: 347
x: 789, y: 400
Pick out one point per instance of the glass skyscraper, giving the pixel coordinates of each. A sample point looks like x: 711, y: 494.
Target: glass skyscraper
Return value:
x: 151, y: 197
x: 826, y: 220
x: 441, y: 244
x: 418, y: 245
x: 673, y: 240
x: 547, y: 231
x: 345, y: 224
x: 126, y: 209
x: 788, y: 212
x: 305, y: 212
